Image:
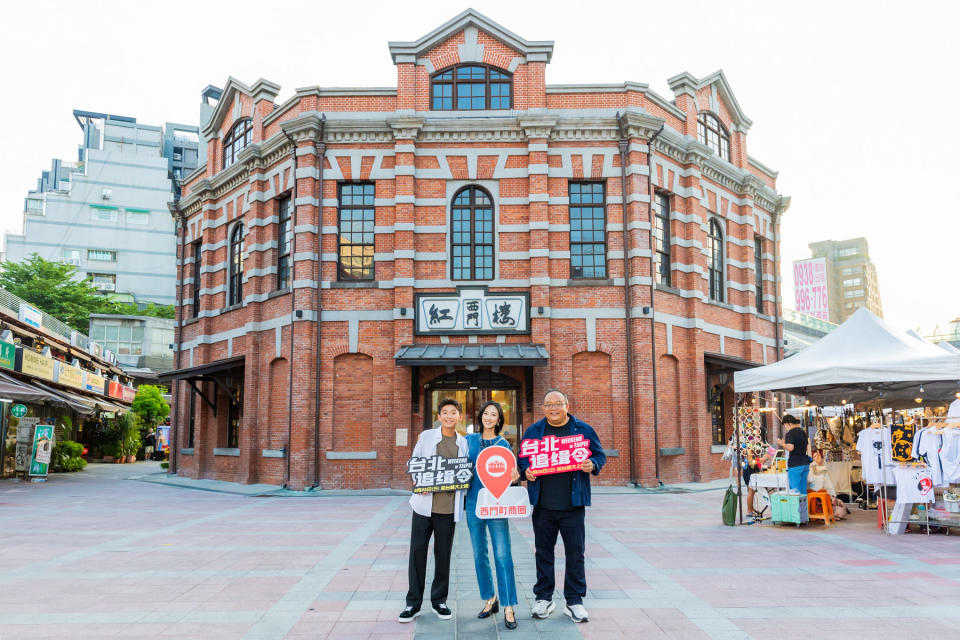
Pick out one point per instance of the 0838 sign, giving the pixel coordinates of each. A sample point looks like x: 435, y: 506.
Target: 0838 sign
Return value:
x: 472, y: 311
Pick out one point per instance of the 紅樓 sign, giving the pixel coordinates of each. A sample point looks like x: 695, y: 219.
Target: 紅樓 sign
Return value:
x: 472, y: 311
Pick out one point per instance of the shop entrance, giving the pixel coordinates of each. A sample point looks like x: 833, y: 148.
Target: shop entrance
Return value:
x: 472, y: 389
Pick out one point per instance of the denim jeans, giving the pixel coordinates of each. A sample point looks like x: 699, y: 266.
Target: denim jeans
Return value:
x: 503, y: 559
x: 797, y: 478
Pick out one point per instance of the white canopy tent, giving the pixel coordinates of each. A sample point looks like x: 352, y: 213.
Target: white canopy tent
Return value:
x: 862, y: 360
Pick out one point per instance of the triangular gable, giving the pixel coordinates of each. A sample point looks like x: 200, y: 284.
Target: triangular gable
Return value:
x: 686, y: 83
x: 261, y: 89
x: 534, y: 51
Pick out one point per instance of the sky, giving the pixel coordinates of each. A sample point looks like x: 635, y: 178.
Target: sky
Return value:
x: 850, y: 101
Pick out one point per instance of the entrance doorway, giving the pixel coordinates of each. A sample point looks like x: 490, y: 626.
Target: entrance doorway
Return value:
x: 471, y: 389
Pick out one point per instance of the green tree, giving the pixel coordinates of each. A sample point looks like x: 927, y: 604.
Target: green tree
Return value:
x: 52, y: 287
x: 153, y: 310
x: 150, y: 405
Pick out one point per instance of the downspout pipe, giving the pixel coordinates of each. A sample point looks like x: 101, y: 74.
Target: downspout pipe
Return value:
x: 624, y: 145
x: 293, y: 305
x: 321, y: 149
x: 653, y: 320
x: 778, y: 327
x: 182, y: 224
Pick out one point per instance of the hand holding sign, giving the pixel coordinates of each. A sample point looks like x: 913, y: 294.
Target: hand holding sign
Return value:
x: 557, y: 455
x: 497, y: 469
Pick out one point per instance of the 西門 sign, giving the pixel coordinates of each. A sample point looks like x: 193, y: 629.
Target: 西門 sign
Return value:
x: 810, y: 287
x: 497, y: 499
x: 437, y: 473
x: 556, y: 455
x: 472, y: 311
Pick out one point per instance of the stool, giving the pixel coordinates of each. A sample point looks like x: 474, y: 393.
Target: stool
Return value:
x: 820, y: 506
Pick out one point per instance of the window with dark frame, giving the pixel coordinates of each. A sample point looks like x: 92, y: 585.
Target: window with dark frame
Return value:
x: 471, y: 233
x: 471, y: 87
x: 717, y: 421
x: 233, y: 419
x: 716, y: 258
x: 711, y: 132
x: 588, y: 230
x: 284, y: 241
x: 197, y: 249
x: 356, y: 230
x: 239, y: 136
x: 661, y: 238
x: 235, y: 295
x: 758, y: 271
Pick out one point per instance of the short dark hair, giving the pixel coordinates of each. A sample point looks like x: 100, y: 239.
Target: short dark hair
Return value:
x: 566, y: 400
x: 483, y: 407
x: 789, y: 419
x: 450, y: 401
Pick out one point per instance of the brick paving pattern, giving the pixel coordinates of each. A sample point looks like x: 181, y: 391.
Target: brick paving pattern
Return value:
x: 94, y: 555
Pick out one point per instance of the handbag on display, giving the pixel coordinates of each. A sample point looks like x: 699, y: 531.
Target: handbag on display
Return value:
x: 729, y: 511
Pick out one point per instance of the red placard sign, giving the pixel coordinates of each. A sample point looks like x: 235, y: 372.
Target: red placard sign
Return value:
x: 556, y: 455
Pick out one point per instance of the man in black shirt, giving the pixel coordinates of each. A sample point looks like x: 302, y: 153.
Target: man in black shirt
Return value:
x: 795, y: 442
x: 558, y: 501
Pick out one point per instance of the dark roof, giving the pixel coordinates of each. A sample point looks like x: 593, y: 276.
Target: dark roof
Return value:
x: 528, y: 355
x: 203, y: 369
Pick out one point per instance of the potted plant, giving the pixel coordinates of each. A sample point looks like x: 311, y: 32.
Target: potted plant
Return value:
x: 129, y: 435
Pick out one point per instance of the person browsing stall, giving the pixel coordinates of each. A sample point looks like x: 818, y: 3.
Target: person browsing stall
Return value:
x: 491, y: 420
x: 559, y: 502
x: 434, y: 514
x: 795, y: 442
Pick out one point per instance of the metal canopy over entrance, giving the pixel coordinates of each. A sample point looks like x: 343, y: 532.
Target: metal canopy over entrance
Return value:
x: 507, y: 354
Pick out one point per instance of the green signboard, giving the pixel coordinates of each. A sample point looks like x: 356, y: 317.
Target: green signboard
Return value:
x: 8, y: 355
x: 42, y: 449
x: 18, y: 411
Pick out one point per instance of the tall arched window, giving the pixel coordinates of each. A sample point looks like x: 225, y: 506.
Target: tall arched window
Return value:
x: 239, y: 136
x: 235, y: 294
x: 471, y: 87
x: 471, y: 232
x: 711, y: 132
x: 716, y: 258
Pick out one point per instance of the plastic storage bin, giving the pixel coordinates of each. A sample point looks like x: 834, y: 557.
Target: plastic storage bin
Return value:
x: 787, y: 508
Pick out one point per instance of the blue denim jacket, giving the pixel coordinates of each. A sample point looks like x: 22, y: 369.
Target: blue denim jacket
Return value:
x: 473, y: 450
x: 580, y: 496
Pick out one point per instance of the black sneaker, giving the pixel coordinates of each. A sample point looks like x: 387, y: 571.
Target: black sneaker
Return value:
x: 408, y: 614
x: 442, y: 611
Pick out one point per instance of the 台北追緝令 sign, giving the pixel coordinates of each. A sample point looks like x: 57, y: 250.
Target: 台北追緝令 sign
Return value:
x: 437, y: 473
x: 556, y: 455
x: 471, y: 311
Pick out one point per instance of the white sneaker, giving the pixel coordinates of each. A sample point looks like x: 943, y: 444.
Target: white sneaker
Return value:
x: 577, y: 613
x: 542, y: 609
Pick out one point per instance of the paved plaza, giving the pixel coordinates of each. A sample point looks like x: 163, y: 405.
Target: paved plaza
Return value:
x: 99, y: 555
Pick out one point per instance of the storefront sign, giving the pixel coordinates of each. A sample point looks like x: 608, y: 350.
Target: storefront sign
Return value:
x: 114, y: 389
x: 24, y: 440
x: 8, y: 355
x: 127, y: 394
x: 34, y: 364
x: 497, y: 499
x: 42, y: 449
x: 93, y: 382
x: 440, y: 474
x: 556, y: 455
x: 810, y: 287
x: 68, y: 375
x: 18, y: 410
x: 472, y: 311
x: 31, y: 315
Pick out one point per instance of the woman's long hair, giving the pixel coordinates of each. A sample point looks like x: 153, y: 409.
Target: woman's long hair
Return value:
x: 483, y: 407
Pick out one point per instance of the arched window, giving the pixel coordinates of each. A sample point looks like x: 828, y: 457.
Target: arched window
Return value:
x: 711, y: 132
x: 471, y: 232
x: 471, y: 87
x: 235, y: 294
x: 239, y: 136
x: 716, y: 258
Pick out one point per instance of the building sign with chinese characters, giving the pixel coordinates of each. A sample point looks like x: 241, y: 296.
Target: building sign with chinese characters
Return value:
x: 810, y: 287
x: 556, y: 455
x: 472, y: 311
x: 437, y: 473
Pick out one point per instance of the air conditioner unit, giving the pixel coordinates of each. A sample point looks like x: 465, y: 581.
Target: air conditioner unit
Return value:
x: 72, y: 261
x: 105, y: 286
x: 178, y: 157
x: 106, y: 194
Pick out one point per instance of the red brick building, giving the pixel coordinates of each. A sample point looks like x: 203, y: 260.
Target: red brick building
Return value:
x: 474, y: 232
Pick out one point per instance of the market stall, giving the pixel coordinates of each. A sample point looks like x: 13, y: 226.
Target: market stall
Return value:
x: 873, y: 367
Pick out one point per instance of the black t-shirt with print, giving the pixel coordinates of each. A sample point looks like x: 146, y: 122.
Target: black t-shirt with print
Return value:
x: 798, y: 438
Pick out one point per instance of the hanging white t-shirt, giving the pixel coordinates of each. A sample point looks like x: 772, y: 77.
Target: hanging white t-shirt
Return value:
x: 928, y: 450
x: 950, y: 455
x: 917, y: 438
x: 914, y: 484
x: 874, y: 447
